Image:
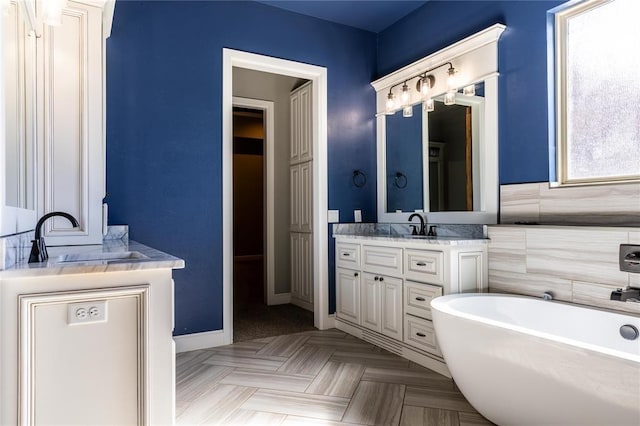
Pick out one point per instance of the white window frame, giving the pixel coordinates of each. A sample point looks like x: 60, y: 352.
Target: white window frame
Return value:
x: 558, y: 97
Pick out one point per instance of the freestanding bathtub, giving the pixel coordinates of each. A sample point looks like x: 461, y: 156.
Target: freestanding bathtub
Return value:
x: 525, y: 361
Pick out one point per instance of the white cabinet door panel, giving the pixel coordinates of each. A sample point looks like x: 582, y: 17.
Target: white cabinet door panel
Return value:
x: 370, y: 302
x: 348, y: 295
x: 391, y: 292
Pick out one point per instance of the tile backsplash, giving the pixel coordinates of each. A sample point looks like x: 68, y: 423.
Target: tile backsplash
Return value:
x: 607, y: 205
x: 577, y: 264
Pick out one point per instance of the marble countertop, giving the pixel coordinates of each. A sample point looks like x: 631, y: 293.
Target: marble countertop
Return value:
x: 86, y: 259
x: 449, y: 241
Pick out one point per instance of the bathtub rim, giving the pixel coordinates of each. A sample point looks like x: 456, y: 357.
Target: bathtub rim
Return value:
x: 441, y: 304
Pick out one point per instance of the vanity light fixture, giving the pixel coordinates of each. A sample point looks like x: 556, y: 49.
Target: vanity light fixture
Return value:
x: 452, y: 81
x: 469, y: 90
x: 405, y: 94
x: 391, y: 102
x: 424, y: 85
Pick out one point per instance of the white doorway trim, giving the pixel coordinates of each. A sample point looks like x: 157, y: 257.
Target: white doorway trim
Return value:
x: 318, y: 75
x: 268, y: 109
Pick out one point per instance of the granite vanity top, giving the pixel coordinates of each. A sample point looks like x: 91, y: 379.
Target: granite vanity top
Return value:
x: 449, y: 241
x: 96, y: 258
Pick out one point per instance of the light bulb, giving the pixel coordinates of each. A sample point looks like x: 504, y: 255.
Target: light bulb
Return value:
x: 428, y: 105
x: 405, y: 94
x: 450, y: 98
x: 391, y: 103
x: 407, y: 111
x: 452, y: 81
x: 425, y: 84
x: 469, y: 90
x: 52, y: 12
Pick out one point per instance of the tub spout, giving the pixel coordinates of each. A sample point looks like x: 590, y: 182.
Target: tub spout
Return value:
x: 629, y: 294
x: 547, y: 295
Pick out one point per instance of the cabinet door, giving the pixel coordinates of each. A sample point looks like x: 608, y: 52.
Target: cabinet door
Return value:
x: 391, y: 291
x: 305, y: 197
x: 306, y: 267
x: 294, y: 137
x: 294, y: 196
x: 295, y: 265
x: 306, y: 123
x: 370, y: 302
x: 348, y: 295
x: 70, y: 133
x: 84, y: 357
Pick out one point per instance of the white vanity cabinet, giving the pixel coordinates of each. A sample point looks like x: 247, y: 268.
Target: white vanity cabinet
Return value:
x: 81, y: 347
x: 384, y: 287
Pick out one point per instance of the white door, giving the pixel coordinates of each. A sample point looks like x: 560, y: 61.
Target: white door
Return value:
x: 391, y: 289
x: 370, y: 302
x: 348, y: 295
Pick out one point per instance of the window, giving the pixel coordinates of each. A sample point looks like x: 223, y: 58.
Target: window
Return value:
x: 597, y: 92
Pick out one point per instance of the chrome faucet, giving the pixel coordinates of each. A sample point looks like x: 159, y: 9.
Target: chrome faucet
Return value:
x: 38, y: 247
x: 422, y: 224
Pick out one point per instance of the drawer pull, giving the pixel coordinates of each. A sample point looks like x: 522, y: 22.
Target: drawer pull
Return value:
x: 420, y: 299
x: 421, y: 264
x: 421, y: 335
x: 346, y: 254
x: 355, y: 274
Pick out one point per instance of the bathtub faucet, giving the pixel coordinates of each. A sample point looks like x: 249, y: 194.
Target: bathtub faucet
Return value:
x: 547, y: 295
x: 629, y: 294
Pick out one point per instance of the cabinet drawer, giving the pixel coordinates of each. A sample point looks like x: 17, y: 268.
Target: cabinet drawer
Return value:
x: 424, y: 265
x: 348, y: 255
x: 417, y: 298
x: 419, y: 333
x: 384, y: 260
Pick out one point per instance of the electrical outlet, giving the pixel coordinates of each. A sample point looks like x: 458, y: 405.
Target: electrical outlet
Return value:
x: 87, y: 312
x: 333, y: 216
x: 357, y: 215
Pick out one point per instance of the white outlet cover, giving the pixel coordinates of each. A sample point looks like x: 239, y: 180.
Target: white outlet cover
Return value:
x: 333, y: 216
x: 88, y: 312
x: 357, y: 215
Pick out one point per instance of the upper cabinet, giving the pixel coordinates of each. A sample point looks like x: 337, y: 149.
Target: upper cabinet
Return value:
x: 301, y: 124
x: 59, y: 116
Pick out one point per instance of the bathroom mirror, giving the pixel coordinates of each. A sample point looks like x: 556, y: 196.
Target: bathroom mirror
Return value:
x: 432, y: 157
x: 444, y: 162
x: 17, y: 148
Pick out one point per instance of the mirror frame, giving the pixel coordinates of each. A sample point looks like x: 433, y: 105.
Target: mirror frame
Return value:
x: 476, y: 58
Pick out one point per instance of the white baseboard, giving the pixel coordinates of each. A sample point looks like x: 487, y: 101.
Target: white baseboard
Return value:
x: 279, y: 298
x: 195, y: 341
x: 302, y: 304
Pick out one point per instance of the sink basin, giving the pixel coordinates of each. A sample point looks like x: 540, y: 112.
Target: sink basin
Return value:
x: 101, y: 257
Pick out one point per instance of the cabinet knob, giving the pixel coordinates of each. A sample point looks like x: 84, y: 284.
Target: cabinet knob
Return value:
x: 376, y: 278
x: 421, y: 335
x: 355, y: 274
x: 420, y: 299
x: 381, y: 279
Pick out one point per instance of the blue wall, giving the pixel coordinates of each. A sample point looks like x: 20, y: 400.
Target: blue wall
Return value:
x: 164, y: 63
x: 522, y: 86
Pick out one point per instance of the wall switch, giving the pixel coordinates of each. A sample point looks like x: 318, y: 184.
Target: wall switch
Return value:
x: 357, y: 215
x: 87, y: 312
x: 333, y: 216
